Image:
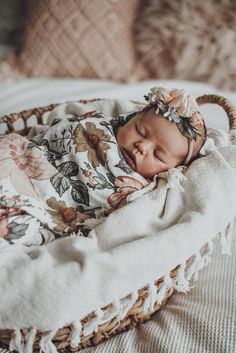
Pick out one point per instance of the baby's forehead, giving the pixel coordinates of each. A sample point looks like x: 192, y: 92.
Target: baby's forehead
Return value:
x: 165, y: 132
x: 156, y: 121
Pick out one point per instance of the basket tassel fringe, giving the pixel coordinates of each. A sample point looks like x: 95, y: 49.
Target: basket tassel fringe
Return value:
x: 75, y: 334
x: 181, y: 283
x: 166, y: 285
x: 225, y: 239
x: 46, y: 345
x: 121, y: 307
x: 151, y: 298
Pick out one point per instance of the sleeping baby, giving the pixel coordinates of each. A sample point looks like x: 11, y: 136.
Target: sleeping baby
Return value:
x: 83, y: 167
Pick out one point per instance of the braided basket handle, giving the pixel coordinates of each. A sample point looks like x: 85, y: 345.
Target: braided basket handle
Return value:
x: 224, y: 103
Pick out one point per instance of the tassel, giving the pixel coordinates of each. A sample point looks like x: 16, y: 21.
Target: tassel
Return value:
x: 193, y: 268
x: 150, y: 300
x: 206, y: 257
x: 225, y: 239
x: 29, y: 340
x: 46, y: 345
x: 149, y: 187
x: 126, y: 304
x: 16, y: 342
x: 167, y: 284
x: 175, y: 176
x: 180, y: 282
x: 199, y: 265
x: 111, y: 311
x: 92, y: 325
x: 75, y: 334
x: 199, y: 262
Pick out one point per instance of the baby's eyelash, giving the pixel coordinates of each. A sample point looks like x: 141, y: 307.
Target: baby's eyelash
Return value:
x: 139, y: 132
x: 155, y: 155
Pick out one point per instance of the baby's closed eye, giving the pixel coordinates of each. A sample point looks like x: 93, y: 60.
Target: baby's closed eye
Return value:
x: 157, y: 156
x: 141, y: 131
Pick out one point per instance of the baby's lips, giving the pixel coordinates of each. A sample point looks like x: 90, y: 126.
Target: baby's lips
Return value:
x: 129, y: 157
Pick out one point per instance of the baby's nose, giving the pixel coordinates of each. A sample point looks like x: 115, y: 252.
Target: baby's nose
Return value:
x: 142, y: 147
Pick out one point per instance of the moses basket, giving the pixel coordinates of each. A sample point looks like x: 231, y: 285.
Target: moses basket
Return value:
x: 136, y: 312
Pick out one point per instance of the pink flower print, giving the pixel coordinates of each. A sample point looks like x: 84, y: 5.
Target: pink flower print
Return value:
x: 5, y: 214
x: 125, y: 185
x: 3, y: 223
x: 90, y: 175
x: 22, y: 164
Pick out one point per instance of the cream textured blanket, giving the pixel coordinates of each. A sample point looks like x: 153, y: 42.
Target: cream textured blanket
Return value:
x: 48, y: 287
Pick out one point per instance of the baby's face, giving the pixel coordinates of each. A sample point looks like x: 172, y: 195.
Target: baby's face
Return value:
x: 151, y: 144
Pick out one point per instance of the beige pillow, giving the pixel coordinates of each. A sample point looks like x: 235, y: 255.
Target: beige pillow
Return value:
x: 188, y: 39
x: 78, y: 38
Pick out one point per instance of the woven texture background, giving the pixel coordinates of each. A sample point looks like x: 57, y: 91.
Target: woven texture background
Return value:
x: 78, y: 39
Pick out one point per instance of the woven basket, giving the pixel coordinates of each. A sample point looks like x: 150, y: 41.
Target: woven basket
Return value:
x: 136, y: 313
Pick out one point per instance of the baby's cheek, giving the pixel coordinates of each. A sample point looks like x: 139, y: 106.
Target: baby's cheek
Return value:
x: 126, y: 136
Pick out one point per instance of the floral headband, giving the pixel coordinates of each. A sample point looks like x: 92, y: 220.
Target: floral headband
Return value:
x: 182, y: 109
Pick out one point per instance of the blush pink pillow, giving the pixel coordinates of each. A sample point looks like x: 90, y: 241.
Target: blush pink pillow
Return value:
x: 78, y: 38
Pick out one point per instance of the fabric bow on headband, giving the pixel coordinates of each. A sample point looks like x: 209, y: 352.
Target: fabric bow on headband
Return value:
x: 181, y: 108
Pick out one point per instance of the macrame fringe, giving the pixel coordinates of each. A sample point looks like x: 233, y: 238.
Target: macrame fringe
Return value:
x: 17, y: 342
x: 226, y: 238
x: 92, y: 325
x: 111, y: 311
x: 166, y: 284
x: 75, y: 334
x: 126, y: 304
x: 208, y: 253
x: 192, y: 270
x: 180, y: 282
x: 150, y: 300
x: 120, y: 307
x: 46, y: 345
x: 29, y: 340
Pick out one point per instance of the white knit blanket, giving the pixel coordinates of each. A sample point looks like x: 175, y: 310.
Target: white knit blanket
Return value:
x: 48, y: 287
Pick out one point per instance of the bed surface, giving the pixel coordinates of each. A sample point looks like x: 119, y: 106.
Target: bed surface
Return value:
x: 26, y: 94
x: 204, y: 320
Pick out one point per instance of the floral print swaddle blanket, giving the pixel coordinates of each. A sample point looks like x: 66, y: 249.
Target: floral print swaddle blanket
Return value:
x: 59, y: 181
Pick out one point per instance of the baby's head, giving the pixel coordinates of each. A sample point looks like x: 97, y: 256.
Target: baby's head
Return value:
x: 167, y: 133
